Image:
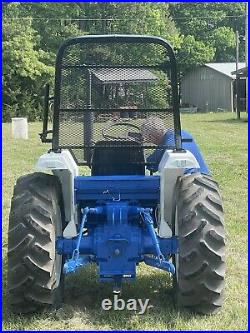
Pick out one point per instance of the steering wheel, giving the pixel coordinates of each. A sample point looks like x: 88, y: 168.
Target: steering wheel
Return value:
x: 129, y: 136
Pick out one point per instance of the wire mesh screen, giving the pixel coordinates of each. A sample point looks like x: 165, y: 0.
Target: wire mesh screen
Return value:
x: 115, y: 92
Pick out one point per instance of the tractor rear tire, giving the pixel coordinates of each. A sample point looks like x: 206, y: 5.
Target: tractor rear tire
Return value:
x: 35, y: 278
x: 200, y: 264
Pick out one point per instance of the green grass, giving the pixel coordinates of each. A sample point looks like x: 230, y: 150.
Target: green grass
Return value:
x: 223, y: 142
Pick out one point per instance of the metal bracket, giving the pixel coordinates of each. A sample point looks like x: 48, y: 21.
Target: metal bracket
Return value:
x: 160, y: 261
x: 164, y: 264
x: 76, y: 261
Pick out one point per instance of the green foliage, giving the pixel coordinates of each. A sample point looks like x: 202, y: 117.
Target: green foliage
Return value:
x: 223, y: 40
x: 32, y: 32
x: 25, y: 70
x: 194, y: 53
x: 212, y: 26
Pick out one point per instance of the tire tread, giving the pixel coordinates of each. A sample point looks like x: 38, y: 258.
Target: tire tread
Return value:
x: 200, y: 285
x: 31, y: 248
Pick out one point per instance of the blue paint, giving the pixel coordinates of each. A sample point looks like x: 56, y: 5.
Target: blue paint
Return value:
x: 146, y: 213
x: 75, y: 262
x: 164, y: 264
x: 118, y: 243
x: 145, y: 189
x: 160, y: 261
x: 119, y: 230
x: 72, y: 265
x: 188, y: 143
x: 66, y: 246
x: 192, y: 146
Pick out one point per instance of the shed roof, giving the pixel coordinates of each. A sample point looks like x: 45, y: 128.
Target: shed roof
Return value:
x: 225, y: 68
x: 122, y: 75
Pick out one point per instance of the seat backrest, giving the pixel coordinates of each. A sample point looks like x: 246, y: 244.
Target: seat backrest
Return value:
x: 107, y: 160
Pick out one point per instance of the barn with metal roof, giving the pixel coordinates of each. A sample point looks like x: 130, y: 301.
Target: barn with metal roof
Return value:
x: 211, y: 87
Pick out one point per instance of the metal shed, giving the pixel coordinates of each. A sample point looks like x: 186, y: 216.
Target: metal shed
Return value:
x: 114, y: 85
x: 210, y: 87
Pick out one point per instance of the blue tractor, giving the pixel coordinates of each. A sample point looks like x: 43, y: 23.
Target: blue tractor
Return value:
x: 144, y: 195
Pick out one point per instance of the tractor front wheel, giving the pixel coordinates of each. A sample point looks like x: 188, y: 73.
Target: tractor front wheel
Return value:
x: 34, y: 269
x: 200, y: 265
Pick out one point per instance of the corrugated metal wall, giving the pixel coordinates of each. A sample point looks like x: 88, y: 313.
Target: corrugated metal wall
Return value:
x: 207, y: 89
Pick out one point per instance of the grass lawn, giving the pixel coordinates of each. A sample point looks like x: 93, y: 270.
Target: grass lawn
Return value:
x: 223, y: 142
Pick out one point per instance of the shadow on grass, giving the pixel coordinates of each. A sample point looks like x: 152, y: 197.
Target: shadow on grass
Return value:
x: 83, y: 297
x: 230, y: 121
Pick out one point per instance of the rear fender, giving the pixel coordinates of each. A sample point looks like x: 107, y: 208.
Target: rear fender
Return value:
x: 62, y: 165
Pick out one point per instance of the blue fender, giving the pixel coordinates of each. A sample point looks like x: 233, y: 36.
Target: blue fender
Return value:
x: 188, y: 143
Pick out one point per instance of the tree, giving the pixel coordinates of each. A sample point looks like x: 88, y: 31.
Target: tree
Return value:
x: 223, y: 40
x: 25, y: 69
x: 194, y: 53
x: 213, y: 25
x: 32, y: 33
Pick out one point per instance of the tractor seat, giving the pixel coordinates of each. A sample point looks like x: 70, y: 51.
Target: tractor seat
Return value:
x: 117, y: 158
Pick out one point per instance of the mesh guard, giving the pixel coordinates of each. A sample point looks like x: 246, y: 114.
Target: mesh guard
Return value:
x: 103, y: 81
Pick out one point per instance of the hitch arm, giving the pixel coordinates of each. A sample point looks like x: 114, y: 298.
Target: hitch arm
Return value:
x: 159, y: 262
x: 76, y: 260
